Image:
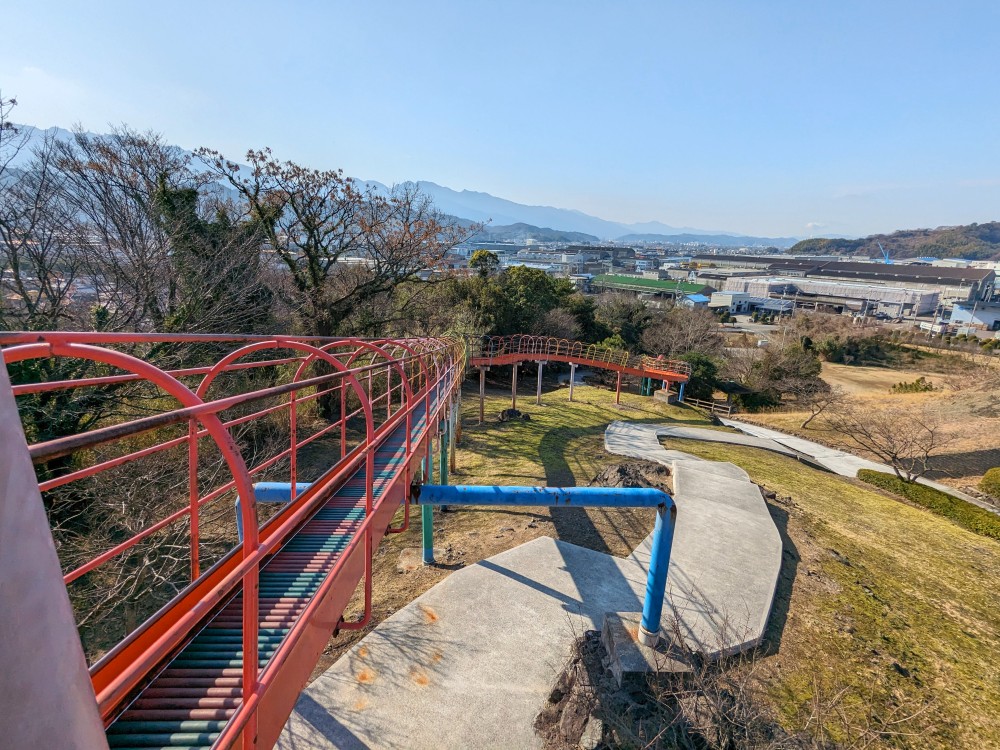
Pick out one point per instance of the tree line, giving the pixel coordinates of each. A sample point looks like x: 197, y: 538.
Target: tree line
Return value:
x: 123, y: 232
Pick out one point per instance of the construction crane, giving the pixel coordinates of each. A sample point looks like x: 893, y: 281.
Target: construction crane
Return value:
x: 885, y: 253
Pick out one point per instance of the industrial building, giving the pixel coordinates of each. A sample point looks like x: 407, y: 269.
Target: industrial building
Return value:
x: 735, y: 303
x: 843, y: 296
x: 977, y: 316
x: 953, y: 285
x: 741, y: 303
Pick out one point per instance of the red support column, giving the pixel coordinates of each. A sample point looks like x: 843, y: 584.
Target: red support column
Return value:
x: 193, y: 495
x: 618, y: 390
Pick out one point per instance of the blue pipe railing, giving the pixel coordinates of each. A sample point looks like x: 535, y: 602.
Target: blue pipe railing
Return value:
x: 582, y: 497
x: 269, y: 492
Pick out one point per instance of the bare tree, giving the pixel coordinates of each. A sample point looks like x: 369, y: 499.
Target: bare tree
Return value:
x: 110, y: 183
x: 403, y: 239
x: 309, y: 217
x: 684, y: 330
x: 740, y: 361
x: 815, y: 396
x: 162, y: 250
x: 906, y: 439
x: 346, y: 246
x: 40, y: 268
x: 560, y: 323
x: 12, y: 138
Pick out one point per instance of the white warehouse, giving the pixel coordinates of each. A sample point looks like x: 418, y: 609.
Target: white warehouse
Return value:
x: 845, y: 294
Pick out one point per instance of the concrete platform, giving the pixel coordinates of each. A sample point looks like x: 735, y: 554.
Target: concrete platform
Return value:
x: 470, y: 663
x: 630, y: 661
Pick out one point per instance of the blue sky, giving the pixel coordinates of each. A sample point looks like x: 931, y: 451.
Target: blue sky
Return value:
x: 773, y: 118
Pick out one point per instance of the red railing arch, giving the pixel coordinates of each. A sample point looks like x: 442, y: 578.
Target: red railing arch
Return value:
x: 501, y: 350
x: 428, y: 371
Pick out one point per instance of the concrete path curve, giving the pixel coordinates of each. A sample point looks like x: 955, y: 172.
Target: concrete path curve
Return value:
x: 643, y: 441
x: 637, y: 440
x: 471, y: 662
x: 837, y: 461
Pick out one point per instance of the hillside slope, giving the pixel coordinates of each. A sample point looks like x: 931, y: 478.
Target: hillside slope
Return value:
x: 972, y: 242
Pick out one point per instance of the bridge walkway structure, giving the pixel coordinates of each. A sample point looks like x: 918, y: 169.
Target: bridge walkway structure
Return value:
x: 236, y: 624
x: 490, y: 351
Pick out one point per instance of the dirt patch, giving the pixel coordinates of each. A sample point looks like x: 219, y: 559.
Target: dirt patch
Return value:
x: 719, y: 706
x: 634, y: 474
x: 572, y: 705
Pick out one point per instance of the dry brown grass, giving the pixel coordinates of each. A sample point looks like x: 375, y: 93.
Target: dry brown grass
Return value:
x: 970, y: 413
x: 871, y: 381
x: 880, y: 599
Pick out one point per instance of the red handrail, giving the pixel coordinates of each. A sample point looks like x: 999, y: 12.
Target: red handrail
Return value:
x: 422, y: 366
x: 486, y: 350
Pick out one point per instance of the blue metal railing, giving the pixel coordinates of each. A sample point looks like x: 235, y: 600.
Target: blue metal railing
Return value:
x: 580, y: 497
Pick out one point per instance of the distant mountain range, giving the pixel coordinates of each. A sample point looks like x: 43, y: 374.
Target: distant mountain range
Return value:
x: 507, y: 220
x: 972, y: 242
x: 520, y: 232
x: 541, y: 220
x: 716, y: 240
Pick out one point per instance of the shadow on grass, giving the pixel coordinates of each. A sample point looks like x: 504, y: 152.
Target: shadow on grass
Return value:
x: 576, y: 525
x: 501, y: 510
x: 771, y: 642
x: 515, y: 449
x: 963, y: 463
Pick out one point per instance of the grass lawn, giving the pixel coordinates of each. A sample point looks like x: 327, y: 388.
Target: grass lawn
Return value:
x: 887, y: 600
x: 561, y: 445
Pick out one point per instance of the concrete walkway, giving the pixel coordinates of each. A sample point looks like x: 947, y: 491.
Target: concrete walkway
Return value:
x: 637, y: 440
x: 837, y: 461
x: 643, y: 441
x: 470, y: 663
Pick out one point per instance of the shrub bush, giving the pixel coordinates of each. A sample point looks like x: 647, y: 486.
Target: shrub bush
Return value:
x: 966, y: 515
x: 920, y: 385
x: 990, y: 483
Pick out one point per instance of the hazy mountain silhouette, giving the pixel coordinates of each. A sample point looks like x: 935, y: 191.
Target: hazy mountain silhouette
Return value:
x: 536, y: 222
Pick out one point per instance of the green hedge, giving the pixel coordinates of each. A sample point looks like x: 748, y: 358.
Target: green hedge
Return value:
x: 966, y: 515
x: 990, y: 483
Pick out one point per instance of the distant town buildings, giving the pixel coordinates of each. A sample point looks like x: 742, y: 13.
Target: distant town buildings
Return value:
x: 744, y: 281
